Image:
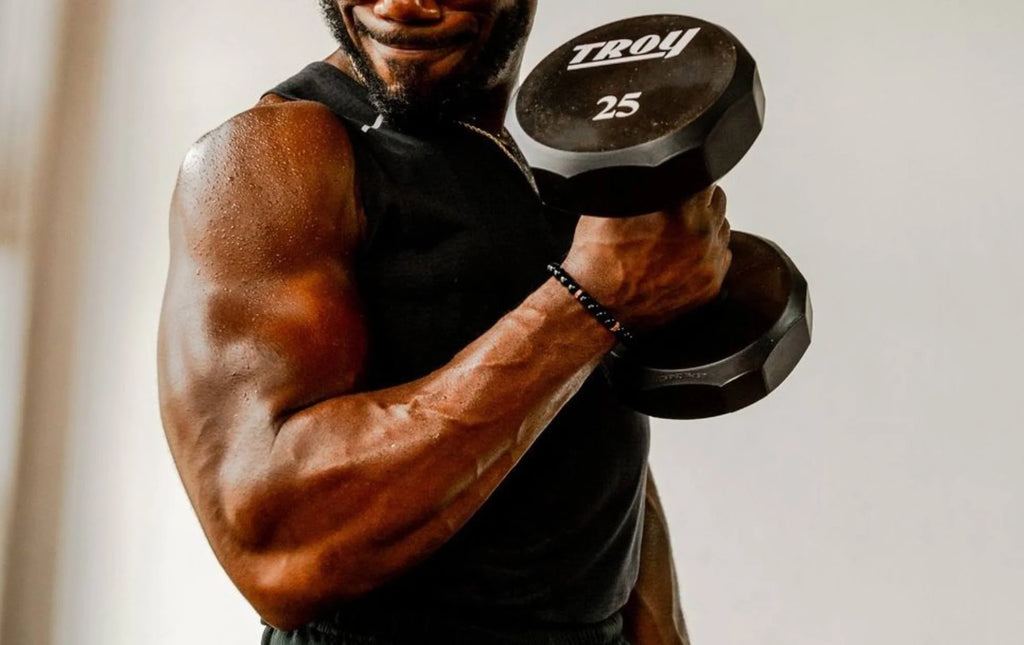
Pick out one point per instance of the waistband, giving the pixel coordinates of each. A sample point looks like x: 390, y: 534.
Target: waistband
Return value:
x: 423, y: 630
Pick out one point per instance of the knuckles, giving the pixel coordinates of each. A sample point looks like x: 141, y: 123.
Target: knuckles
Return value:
x: 668, y: 262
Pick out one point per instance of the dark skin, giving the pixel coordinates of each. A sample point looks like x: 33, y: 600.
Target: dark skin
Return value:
x: 311, y: 490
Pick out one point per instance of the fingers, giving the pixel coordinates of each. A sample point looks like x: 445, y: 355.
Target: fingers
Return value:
x: 724, y: 255
x: 717, y: 200
x: 704, y: 212
x: 716, y: 209
x: 725, y: 232
x: 704, y: 197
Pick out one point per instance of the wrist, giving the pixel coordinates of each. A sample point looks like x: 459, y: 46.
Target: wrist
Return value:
x: 595, y: 282
x: 568, y: 320
x: 590, y: 304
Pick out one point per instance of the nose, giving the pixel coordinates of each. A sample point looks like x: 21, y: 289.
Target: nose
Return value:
x: 411, y: 11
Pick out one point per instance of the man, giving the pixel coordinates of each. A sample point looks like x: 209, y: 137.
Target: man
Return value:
x: 385, y: 412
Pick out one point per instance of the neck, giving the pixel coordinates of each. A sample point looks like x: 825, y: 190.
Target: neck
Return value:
x: 489, y: 113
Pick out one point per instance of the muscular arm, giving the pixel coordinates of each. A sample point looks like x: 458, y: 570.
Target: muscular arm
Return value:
x: 308, y: 489
x: 653, y: 615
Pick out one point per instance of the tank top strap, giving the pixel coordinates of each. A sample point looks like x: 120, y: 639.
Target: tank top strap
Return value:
x: 326, y: 84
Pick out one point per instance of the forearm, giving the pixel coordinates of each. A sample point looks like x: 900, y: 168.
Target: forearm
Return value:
x: 373, y: 482
x: 654, y: 615
x: 309, y: 491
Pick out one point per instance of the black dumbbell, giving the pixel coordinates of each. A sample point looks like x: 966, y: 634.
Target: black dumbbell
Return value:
x: 627, y: 119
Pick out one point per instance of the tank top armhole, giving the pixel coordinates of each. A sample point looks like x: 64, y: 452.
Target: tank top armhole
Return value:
x: 319, y: 82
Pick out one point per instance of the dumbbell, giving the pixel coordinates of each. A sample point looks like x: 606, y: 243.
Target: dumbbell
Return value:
x: 629, y: 118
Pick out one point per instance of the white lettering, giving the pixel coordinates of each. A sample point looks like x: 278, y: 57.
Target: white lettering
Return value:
x: 616, y: 108
x: 673, y: 45
x: 645, y: 45
x: 612, y: 49
x: 582, y: 51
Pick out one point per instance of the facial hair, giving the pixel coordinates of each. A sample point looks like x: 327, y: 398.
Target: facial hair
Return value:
x: 409, y: 102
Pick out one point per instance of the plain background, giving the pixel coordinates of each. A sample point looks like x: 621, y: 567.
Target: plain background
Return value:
x: 875, y: 498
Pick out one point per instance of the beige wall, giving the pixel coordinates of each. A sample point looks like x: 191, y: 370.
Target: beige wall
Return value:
x: 875, y: 498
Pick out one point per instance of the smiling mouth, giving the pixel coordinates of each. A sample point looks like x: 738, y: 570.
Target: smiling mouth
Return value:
x: 411, y: 41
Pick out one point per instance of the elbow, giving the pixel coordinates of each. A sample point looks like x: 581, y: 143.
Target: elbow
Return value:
x: 269, y: 574
x: 285, y: 598
x: 288, y: 588
x: 289, y: 570
x: 282, y: 616
x: 282, y: 603
x: 294, y: 557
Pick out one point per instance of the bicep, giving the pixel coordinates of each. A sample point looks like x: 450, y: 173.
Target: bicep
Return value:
x: 280, y: 342
x: 261, y: 314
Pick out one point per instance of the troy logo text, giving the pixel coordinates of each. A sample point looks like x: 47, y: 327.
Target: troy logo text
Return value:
x: 613, y: 52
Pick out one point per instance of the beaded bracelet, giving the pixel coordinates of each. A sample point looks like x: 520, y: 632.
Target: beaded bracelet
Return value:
x: 593, y: 307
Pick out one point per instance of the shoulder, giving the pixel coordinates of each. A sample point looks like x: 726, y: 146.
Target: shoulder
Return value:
x: 280, y: 173
x: 299, y: 141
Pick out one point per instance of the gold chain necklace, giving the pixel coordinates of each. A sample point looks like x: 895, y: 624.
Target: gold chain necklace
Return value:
x: 508, y: 146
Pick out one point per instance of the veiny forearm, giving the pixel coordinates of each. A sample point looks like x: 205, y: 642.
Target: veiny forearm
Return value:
x: 357, y: 488
x: 309, y: 490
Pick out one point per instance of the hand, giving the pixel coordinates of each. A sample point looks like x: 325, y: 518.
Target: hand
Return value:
x: 650, y: 268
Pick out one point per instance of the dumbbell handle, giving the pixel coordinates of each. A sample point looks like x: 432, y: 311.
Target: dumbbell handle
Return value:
x: 688, y: 104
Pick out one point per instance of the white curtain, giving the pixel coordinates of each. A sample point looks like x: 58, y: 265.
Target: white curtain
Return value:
x: 29, y: 47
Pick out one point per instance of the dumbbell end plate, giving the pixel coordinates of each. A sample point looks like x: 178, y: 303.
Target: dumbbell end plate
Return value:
x: 728, y: 354
x: 696, y: 114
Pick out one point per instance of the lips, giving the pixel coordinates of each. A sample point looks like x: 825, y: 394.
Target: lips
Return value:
x: 413, y: 38
x: 413, y: 41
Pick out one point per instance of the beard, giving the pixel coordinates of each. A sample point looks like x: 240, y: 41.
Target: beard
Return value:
x: 409, y: 101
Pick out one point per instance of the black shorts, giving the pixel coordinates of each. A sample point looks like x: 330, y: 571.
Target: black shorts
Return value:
x: 608, y: 632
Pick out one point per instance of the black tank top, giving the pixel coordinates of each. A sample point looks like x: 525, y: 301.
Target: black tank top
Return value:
x: 457, y: 237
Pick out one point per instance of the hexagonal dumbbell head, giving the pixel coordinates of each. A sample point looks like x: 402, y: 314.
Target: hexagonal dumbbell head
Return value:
x: 629, y: 116
x: 728, y: 354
